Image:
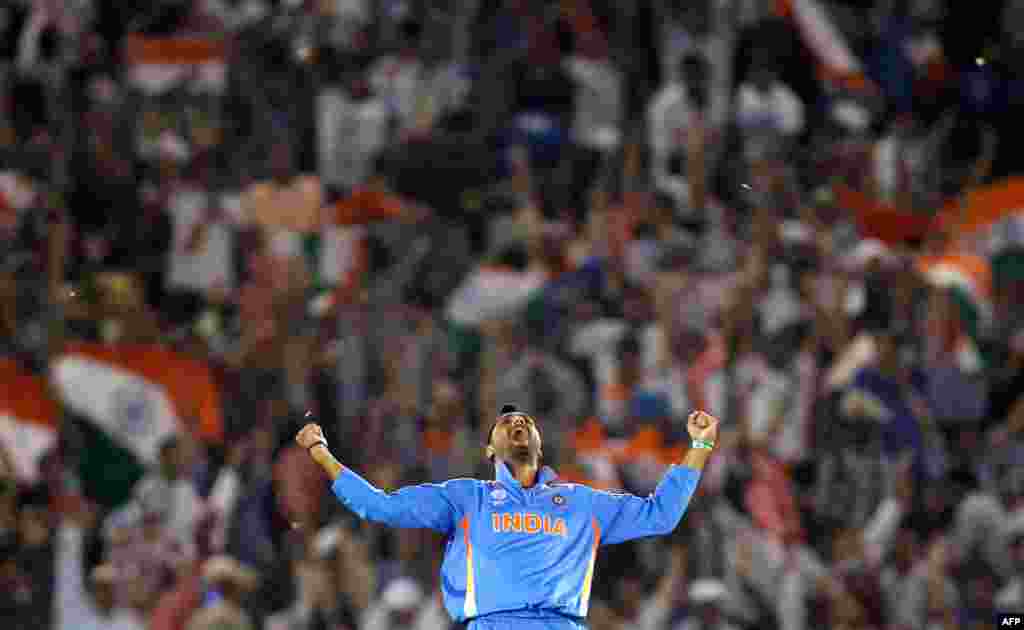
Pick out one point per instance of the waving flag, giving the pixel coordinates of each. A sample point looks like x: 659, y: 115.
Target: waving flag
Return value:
x: 156, y: 65
x: 969, y: 278
x: 836, y: 61
x: 986, y: 220
x: 493, y: 293
x: 28, y: 419
x: 992, y: 217
x: 129, y: 399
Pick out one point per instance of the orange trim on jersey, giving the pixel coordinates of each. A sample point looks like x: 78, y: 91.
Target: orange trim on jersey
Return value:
x: 469, y: 607
x: 588, y: 580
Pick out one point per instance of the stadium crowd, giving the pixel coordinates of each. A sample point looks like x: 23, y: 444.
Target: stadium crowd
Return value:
x: 220, y: 218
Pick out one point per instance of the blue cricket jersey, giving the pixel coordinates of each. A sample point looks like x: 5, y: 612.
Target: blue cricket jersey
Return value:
x: 521, y: 549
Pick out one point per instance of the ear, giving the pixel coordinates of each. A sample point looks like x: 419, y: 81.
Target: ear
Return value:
x: 489, y: 452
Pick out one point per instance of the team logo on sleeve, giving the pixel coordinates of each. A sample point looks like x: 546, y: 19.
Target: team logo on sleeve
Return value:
x: 558, y: 500
x: 499, y: 495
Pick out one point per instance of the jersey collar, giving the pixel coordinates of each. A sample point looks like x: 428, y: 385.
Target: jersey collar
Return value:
x: 503, y: 475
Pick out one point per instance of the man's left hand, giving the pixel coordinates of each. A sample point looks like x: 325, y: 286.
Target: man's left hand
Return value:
x: 702, y: 426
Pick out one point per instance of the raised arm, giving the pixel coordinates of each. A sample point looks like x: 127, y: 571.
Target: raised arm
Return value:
x: 426, y: 506
x: 623, y: 517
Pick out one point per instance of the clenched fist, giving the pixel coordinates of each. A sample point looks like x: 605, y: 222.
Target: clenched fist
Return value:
x: 702, y: 426
x: 310, y: 435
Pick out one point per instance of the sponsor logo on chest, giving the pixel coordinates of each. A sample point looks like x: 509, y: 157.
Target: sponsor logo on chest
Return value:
x: 528, y: 523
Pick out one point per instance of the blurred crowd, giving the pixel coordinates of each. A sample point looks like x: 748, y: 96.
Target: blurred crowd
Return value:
x: 392, y: 217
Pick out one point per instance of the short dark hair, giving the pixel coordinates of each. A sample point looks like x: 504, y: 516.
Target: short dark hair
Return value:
x: 505, y: 410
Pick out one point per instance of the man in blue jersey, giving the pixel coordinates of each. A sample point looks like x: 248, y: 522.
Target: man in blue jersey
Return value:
x: 521, y: 548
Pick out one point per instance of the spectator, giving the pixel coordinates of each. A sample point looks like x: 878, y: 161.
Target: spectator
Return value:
x: 657, y: 610
x: 354, y: 127
x: 144, y: 553
x: 403, y: 605
x: 624, y: 387
x: 901, y: 161
x: 87, y: 599
x: 228, y: 582
x: 541, y: 102
x: 884, y: 394
x: 701, y: 30
x: 103, y: 198
x: 596, y: 129
x: 174, y: 608
x: 202, y: 260
x: 707, y: 597
x: 154, y: 244
x: 447, y: 437
x: 765, y: 106
x: 677, y: 113
x: 1012, y: 594
x: 399, y: 80
x: 772, y: 502
x: 263, y: 203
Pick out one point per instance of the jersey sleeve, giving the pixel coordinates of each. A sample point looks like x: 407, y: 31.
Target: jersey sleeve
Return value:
x: 624, y: 516
x: 435, y: 506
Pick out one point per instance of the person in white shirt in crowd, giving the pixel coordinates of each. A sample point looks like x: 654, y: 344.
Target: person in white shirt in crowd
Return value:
x: 765, y: 106
x: 901, y: 162
x: 656, y: 610
x: 202, y: 256
x: 704, y: 29
x: 399, y: 80
x: 599, y: 106
x: 346, y: 19
x: 707, y: 597
x: 81, y: 602
x: 404, y: 606
x: 166, y: 491
x: 352, y: 129
x: 232, y: 15
x: 228, y: 583
x: 1011, y: 597
x: 677, y: 111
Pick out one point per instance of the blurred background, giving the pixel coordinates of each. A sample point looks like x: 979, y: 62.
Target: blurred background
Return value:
x: 220, y: 219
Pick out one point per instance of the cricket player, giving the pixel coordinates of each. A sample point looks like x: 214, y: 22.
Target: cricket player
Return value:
x: 521, y: 548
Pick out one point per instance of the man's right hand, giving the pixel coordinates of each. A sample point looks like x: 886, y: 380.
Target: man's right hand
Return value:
x: 309, y: 435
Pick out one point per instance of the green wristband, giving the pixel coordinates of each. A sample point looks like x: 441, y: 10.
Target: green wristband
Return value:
x: 704, y: 444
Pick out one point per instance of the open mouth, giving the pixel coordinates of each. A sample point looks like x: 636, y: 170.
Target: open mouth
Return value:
x: 518, y: 434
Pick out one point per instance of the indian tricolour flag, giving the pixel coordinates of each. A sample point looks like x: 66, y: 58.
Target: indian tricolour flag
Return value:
x: 988, y: 219
x: 128, y: 400
x: 28, y: 420
x: 493, y: 292
x: 157, y: 64
x: 837, y: 63
x: 969, y: 279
